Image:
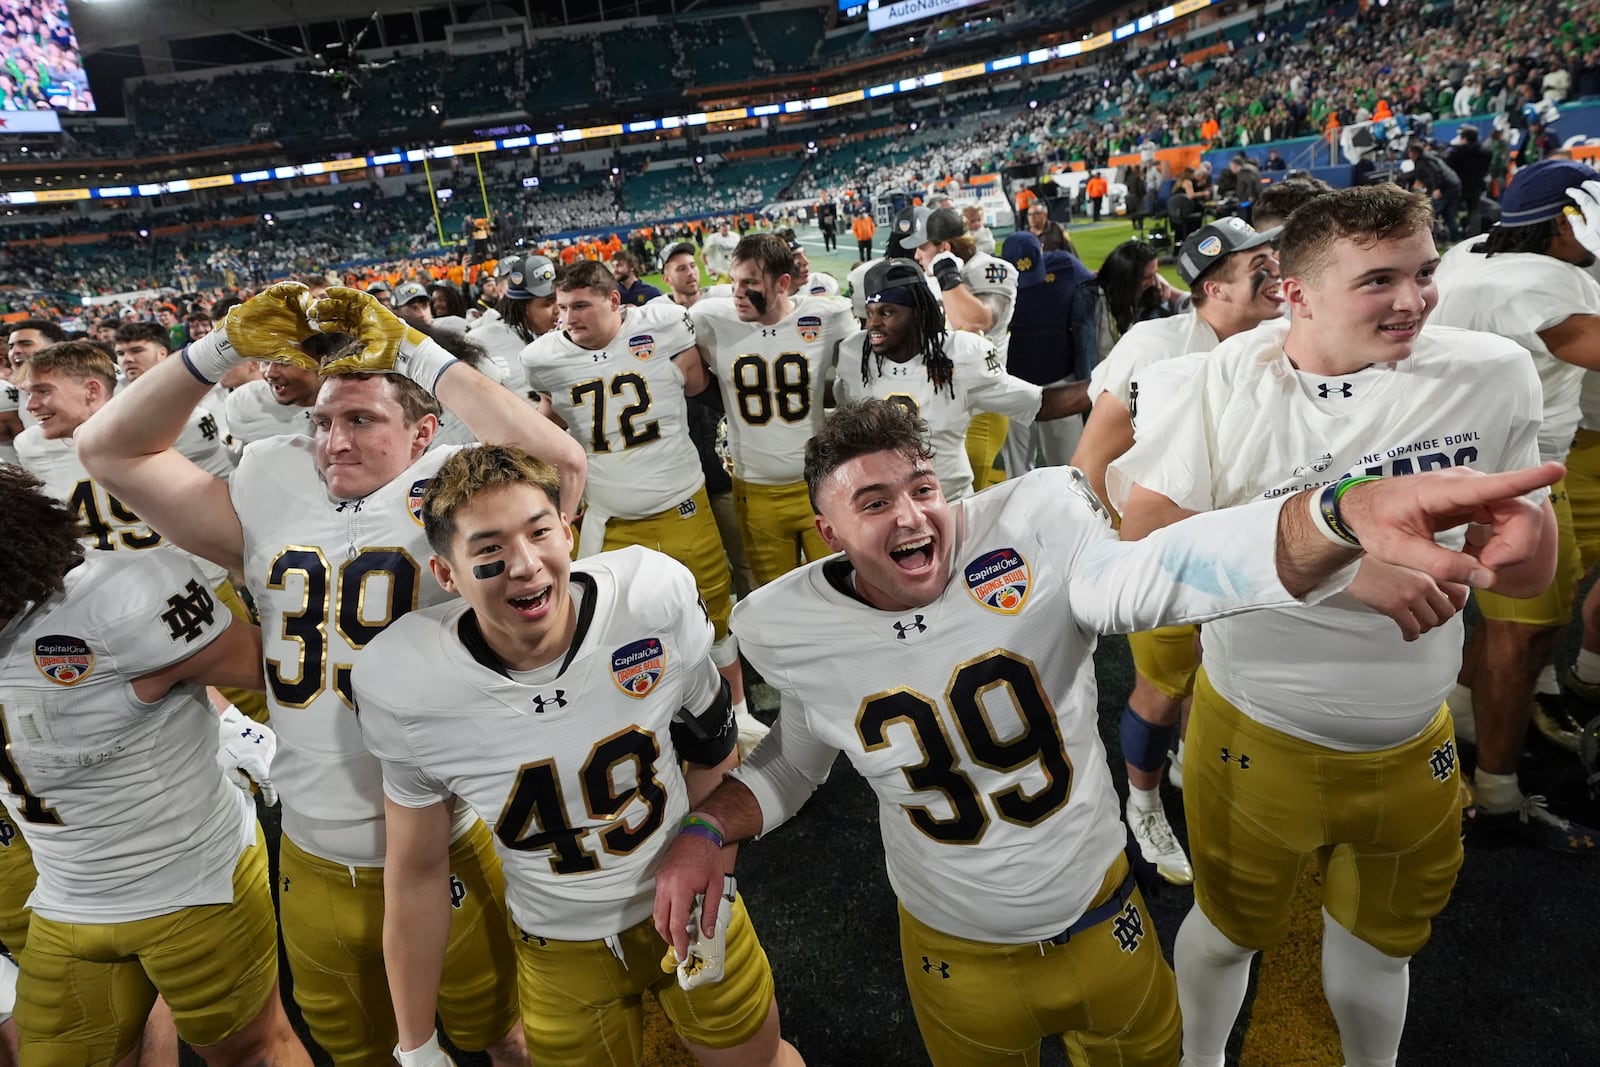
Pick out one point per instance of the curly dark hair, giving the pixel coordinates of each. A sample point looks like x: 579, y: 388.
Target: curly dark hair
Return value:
x: 860, y: 429
x: 41, y: 539
x: 928, y: 335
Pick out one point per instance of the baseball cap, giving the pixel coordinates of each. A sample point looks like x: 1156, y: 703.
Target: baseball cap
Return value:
x: 888, y: 275
x: 379, y: 286
x: 408, y: 292
x: 1538, y: 193
x: 530, y: 277
x: 1210, y: 243
x: 1024, y: 252
x: 919, y: 225
x: 682, y: 248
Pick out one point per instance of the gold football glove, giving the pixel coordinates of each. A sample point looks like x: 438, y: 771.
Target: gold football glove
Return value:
x: 388, y: 343
x: 269, y: 326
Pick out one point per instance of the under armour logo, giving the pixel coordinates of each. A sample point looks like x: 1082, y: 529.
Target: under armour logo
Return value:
x: 1324, y: 390
x: 928, y: 967
x: 352, y: 505
x: 557, y: 701
x: 1241, y: 759
x: 902, y: 628
x: 1442, y: 762
x: 458, y: 892
x: 1128, y: 928
x: 190, y: 612
x: 773, y: 332
x: 285, y: 888
x: 252, y: 735
x: 532, y: 939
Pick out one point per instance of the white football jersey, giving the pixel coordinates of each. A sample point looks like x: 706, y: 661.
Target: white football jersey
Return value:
x: 1516, y: 295
x: 981, y: 384
x: 127, y: 812
x: 974, y: 717
x: 624, y: 403
x: 1146, y: 343
x: 572, y: 765
x: 255, y: 415
x: 819, y: 283
x: 1249, y: 426
x: 773, y: 379
x: 10, y: 404
x: 718, y: 251
x: 503, y: 344
x: 994, y: 281
x: 327, y: 576
x: 109, y: 524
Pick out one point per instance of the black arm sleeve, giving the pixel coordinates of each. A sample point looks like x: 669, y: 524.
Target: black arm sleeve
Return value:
x: 706, y: 738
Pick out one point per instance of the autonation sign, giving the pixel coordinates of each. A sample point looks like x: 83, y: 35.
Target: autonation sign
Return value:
x: 881, y: 16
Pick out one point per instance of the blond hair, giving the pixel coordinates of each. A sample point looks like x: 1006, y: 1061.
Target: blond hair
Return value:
x: 75, y: 359
x: 468, y: 473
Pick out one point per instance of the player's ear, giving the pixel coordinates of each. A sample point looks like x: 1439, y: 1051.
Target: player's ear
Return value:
x: 423, y: 432
x: 442, y: 573
x: 829, y: 535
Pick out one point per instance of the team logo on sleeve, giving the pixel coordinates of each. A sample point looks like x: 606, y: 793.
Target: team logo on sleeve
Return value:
x: 637, y: 667
x: 999, y: 580
x: 642, y: 346
x: 63, y: 660
x: 810, y: 327
x: 414, y: 495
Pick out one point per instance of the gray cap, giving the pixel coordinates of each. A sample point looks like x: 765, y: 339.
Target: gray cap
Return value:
x: 1216, y: 240
x: 530, y: 277
x: 408, y: 292
x: 919, y: 225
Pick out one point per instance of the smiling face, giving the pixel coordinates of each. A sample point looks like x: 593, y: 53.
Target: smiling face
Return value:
x: 63, y: 402
x: 886, y: 512
x: 362, y: 439
x: 1365, y: 303
x: 516, y: 539
x: 291, y: 386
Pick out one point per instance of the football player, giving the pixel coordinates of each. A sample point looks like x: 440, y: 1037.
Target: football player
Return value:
x: 719, y: 248
x: 472, y: 698
x: 979, y: 293
x: 327, y: 532
x: 67, y: 383
x: 681, y: 271
x: 525, y: 311
x: 615, y: 377
x: 1232, y: 274
x: 948, y: 654
x: 772, y: 356
x: 10, y: 417
x: 1285, y: 770
x: 805, y: 281
x: 152, y: 870
x: 909, y: 356
x: 141, y: 345
x: 1526, y: 281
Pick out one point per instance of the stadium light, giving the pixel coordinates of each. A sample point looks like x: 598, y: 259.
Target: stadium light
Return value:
x: 1033, y: 105
x: 1261, y: 36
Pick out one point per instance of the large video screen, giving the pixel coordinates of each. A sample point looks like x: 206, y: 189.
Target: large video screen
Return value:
x: 882, y: 14
x: 40, y: 64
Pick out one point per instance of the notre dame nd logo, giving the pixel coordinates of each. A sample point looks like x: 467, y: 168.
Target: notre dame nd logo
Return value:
x: 189, y: 612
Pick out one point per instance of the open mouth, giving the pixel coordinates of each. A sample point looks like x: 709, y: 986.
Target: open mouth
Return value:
x: 529, y: 607
x: 913, y: 555
x: 1400, y: 329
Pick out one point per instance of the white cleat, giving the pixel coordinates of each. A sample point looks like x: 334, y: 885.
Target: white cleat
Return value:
x: 751, y: 731
x: 1160, y: 845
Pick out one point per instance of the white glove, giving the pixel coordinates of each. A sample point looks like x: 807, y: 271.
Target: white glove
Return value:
x: 704, y: 964
x: 428, y: 1054
x: 1585, y: 218
x: 245, y: 751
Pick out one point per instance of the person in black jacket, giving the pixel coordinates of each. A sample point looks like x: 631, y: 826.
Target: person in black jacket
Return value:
x: 1470, y: 160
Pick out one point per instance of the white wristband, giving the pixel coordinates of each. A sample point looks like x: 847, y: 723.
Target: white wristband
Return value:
x: 1320, y: 519
x: 211, y: 357
x: 424, y: 362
